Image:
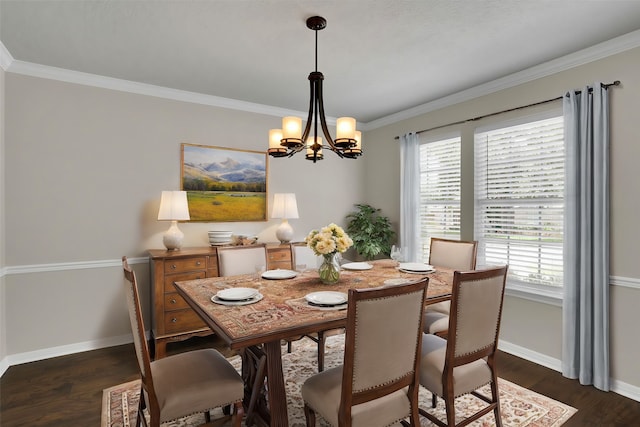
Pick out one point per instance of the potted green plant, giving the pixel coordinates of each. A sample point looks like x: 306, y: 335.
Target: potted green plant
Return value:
x: 370, y: 231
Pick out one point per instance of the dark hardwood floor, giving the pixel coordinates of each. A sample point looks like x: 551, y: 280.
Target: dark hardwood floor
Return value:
x: 67, y: 391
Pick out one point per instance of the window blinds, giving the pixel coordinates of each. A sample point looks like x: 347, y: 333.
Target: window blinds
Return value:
x: 519, y: 200
x: 439, y: 191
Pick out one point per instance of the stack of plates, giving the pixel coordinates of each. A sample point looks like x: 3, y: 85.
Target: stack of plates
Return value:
x: 237, y: 296
x: 416, y: 268
x: 220, y: 237
x: 327, y: 298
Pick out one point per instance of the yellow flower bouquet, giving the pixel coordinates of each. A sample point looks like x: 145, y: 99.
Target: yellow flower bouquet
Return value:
x: 328, y: 242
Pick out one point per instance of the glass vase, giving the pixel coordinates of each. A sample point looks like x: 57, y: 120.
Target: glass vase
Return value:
x: 329, y: 271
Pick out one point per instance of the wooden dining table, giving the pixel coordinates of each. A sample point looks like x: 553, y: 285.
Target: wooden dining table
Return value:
x: 284, y: 314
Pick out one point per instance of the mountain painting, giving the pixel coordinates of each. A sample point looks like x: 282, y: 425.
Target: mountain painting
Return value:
x: 224, y: 184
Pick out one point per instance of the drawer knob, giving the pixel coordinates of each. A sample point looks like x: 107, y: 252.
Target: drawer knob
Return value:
x: 173, y: 301
x: 173, y: 266
x: 174, y: 320
x: 197, y: 262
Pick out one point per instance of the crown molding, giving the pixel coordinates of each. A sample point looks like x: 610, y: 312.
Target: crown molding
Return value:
x: 593, y: 53
x: 584, y: 56
x: 88, y: 79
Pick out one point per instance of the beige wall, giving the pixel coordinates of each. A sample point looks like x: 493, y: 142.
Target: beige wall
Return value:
x: 3, y: 299
x: 530, y: 325
x: 85, y: 168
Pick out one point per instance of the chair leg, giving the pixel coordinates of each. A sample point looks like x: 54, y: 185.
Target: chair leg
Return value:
x: 451, y: 411
x: 496, y: 398
x: 288, y: 346
x: 321, y: 339
x: 238, y: 412
x: 140, y: 415
x: 310, y: 416
x: 207, y: 416
x: 434, y: 400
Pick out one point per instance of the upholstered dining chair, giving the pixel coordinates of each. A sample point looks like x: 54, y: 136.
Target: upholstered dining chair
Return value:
x: 465, y: 361
x: 454, y: 254
x: 236, y: 260
x: 302, y: 254
x: 377, y: 384
x: 182, y: 384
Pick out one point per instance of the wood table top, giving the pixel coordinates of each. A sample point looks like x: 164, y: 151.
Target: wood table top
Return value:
x: 283, y: 312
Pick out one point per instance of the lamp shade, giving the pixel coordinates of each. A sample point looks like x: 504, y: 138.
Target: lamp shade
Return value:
x: 284, y: 206
x: 173, y: 206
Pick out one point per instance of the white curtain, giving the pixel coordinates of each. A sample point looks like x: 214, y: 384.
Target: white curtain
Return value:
x: 585, y: 350
x: 410, y: 196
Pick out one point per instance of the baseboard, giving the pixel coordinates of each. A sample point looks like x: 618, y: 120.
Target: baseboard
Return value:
x: 4, y: 365
x: 63, y: 350
x: 530, y: 355
x: 618, y: 387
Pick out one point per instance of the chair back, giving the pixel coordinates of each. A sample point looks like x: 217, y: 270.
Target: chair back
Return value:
x: 137, y: 326
x: 453, y: 254
x: 382, y: 343
x: 302, y: 254
x: 476, y: 311
x: 237, y: 260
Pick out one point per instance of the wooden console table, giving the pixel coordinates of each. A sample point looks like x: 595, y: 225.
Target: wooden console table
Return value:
x: 172, y: 319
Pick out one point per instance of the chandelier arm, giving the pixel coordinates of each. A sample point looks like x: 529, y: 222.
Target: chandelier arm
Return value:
x: 323, y: 122
x: 307, y: 127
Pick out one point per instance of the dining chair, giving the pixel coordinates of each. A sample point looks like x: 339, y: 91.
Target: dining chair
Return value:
x: 304, y: 255
x: 465, y: 361
x: 454, y: 254
x: 235, y: 260
x: 378, y: 382
x: 182, y: 384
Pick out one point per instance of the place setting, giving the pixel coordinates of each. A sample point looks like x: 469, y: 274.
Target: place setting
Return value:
x: 328, y: 300
x: 357, y: 266
x: 279, y: 274
x: 416, y: 268
x: 237, y: 296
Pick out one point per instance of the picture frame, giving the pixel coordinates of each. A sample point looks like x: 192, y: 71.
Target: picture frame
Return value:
x: 224, y: 184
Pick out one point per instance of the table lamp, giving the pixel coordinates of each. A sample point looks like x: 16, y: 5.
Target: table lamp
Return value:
x: 174, y: 208
x: 285, y: 207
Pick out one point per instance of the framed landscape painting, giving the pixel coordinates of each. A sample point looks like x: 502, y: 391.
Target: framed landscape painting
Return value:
x: 224, y: 184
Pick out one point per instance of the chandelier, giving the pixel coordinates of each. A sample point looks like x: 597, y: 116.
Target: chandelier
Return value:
x: 291, y: 139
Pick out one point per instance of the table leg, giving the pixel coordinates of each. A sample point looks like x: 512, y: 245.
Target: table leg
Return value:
x: 275, y: 384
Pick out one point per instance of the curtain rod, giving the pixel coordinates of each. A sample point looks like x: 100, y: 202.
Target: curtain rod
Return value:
x: 607, y: 85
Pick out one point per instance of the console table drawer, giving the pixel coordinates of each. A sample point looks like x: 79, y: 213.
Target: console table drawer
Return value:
x: 182, y: 321
x: 185, y: 264
x: 174, y: 302
x: 170, y: 279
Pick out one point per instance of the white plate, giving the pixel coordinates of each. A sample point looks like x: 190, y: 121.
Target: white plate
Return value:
x: 237, y: 294
x: 416, y: 272
x: 279, y: 274
x: 357, y: 266
x: 327, y: 298
x: 415, y: 266
x: 255, y: 299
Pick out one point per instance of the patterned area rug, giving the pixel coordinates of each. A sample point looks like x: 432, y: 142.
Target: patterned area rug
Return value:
x: 519, y: 406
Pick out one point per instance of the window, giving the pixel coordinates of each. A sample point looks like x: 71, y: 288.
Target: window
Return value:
x: 439, y: 191
x: 519, y: 201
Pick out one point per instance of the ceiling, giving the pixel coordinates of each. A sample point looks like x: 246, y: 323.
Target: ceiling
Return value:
x: 378, y: 57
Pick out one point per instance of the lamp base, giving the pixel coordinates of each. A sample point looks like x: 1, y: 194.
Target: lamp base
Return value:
x: 173, y: 237
x: 284, y: 232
